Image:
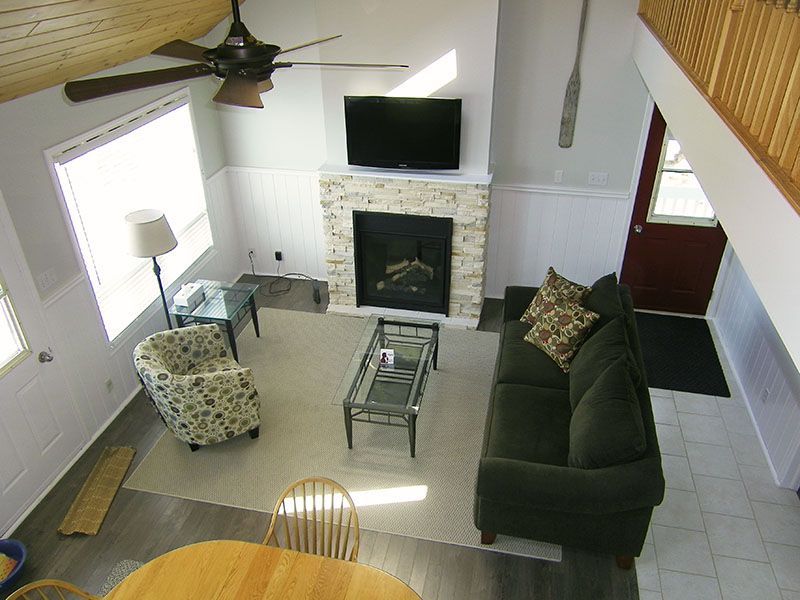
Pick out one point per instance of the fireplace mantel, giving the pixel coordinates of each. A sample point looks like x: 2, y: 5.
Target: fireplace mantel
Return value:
x: 440, y: 176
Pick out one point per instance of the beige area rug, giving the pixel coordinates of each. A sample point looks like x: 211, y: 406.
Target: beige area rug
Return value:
x: 298, y: 365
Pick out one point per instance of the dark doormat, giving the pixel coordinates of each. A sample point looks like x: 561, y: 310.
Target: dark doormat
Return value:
x: 679, y: 354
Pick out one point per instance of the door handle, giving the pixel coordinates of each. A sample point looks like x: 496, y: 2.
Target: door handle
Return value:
x: 45, y: 356
x: 637, y: 229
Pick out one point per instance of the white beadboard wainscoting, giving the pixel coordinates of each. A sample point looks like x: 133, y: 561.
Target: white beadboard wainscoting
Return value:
x: 580, y: 233
x: 279, y: 210
x: 73, y: 324
x: 761, y: 362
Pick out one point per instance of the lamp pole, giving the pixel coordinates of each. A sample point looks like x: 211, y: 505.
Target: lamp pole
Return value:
x: 157, y: 271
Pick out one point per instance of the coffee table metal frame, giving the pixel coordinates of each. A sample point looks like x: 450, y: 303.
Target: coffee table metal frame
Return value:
x: 367, y: 409
x: 225, y: 304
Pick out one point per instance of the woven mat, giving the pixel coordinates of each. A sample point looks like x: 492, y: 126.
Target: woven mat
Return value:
x: 89, y: 509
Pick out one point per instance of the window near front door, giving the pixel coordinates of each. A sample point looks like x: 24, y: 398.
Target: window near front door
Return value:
x: 13, y: 346
x: 147, y: 159
x: 678, y: 197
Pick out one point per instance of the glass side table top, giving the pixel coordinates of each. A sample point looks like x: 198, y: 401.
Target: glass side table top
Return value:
x: 223, y: 300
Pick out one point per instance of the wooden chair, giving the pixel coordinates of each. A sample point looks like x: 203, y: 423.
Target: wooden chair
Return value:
x: 51, y: 589
x: 318, y: 515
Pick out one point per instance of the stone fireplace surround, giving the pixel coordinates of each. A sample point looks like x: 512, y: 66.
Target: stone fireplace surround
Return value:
x: 465, y: 201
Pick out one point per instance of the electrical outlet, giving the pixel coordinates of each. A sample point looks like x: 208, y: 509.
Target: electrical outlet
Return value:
x: 278, y: 255
x: 109, y: 385
x: 558, y: 176
x: 251, y: 253
x: 764, y: 394
x: 598, y: 178
x: 46, y: 279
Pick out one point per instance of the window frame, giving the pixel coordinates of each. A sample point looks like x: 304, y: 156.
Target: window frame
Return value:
x: 652, y: 217
x: 26, y: 351
x: 123, y: 124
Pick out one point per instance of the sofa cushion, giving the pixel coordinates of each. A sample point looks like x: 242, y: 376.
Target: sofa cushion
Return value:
x: 529, y: 423
x: 560, y: 330
x: 595, y: 356
x: 523, y: 363
x: 555, y: 289
x: 606, y: 428
x: 604, y: 300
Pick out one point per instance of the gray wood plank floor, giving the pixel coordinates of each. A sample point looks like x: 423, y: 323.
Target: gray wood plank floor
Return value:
x: 141, y: 525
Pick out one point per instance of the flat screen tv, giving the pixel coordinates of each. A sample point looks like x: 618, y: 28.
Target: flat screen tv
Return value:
x: 403, y: 133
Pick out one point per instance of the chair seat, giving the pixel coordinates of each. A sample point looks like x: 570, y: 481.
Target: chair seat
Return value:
x: 215, y: 365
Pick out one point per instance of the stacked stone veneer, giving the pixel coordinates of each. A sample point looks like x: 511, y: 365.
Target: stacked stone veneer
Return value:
x: 466, y: 203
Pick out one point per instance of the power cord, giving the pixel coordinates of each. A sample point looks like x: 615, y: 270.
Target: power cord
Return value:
x: 271, y: 291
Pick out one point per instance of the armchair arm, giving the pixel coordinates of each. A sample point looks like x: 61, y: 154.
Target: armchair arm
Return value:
x: 619, y: 488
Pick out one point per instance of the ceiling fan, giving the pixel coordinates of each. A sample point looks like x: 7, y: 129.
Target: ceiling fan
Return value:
x: 245, y: 63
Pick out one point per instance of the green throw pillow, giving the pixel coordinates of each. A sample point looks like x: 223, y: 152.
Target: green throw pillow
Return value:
x: 560, y: 330
x: 555, y: 289
x: 606, y: 428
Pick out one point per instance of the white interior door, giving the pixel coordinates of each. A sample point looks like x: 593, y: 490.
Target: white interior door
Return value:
x: 39, y: 428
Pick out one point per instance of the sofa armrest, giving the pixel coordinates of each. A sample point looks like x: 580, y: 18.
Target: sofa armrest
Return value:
x: 630, y: 486
x: 516, y: 300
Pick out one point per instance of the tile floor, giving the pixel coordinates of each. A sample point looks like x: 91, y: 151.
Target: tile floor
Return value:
x: 725, y: 530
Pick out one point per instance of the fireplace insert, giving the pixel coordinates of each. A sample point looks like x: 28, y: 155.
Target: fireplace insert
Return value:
x: 402, y: 261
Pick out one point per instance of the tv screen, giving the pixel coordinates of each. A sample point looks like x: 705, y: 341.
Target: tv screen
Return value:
x: 403, y: 133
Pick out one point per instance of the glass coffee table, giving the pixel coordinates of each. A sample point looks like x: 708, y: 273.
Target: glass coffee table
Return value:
x: 225, y: 304
x: 390, y: 394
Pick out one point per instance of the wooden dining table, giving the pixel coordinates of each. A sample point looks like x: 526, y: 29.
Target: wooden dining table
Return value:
x: 233, y: 570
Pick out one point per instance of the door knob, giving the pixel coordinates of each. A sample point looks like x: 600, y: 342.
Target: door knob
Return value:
x: 637, y: 229
x: 45, y: 356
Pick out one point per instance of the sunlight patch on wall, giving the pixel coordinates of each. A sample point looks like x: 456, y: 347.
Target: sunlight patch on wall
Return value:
x: 430, y: 79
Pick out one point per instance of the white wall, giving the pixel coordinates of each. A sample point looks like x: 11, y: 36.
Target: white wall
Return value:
x: 302, y: 123
x: 413, y: 32
x: 762, y: 227
x: 581, y: 235
x: 535, y: 55
x: 764, y: 369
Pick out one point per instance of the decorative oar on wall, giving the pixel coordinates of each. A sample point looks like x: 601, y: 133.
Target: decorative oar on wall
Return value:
x: 573, y: 89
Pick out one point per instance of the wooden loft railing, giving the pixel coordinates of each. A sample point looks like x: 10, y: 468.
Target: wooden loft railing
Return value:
x: 743, y: 56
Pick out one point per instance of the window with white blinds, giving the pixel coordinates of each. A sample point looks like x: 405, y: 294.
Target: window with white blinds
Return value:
x: 147, y: 160
x: 13, y: 346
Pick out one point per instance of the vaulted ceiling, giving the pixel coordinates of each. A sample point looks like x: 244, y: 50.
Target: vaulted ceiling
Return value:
x: 47, y: 42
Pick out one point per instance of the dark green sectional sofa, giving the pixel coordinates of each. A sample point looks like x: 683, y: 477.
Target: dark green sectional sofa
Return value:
x: 571, y: 458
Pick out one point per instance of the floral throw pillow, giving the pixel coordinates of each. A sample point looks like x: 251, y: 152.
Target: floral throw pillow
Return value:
x: 555, y: 289
x: 561, y: 330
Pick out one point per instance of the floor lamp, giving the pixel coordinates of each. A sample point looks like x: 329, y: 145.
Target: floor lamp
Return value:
x: 149, y: 235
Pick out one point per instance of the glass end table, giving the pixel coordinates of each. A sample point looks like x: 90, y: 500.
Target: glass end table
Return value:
x: 225, y: 304
x: 390, y: 394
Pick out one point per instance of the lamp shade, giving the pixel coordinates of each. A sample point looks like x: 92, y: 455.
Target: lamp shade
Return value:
x: 149, y: 234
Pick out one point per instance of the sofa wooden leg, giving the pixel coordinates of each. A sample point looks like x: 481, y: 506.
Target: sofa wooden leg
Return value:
x: 624, y: 562
x: 253, y: 433
x: 194, y: 447
x: 487, y: 537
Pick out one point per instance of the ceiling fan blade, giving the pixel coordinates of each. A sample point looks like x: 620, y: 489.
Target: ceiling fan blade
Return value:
x: 338, y: 64
x: 181, y: 49
x: 240, y: 88
x: 88, y: 89
x: 311, y: 43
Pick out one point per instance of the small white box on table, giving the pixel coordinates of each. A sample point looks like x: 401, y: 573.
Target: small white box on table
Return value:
x: 190, y: 295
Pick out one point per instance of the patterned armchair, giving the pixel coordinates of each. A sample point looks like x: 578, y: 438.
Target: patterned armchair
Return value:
x: 201, y: 393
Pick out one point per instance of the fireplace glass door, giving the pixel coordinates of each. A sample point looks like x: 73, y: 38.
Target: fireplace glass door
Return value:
x: 403, y: 261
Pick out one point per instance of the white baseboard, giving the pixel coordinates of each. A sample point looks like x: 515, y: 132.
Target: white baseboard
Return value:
x: 81, y: 451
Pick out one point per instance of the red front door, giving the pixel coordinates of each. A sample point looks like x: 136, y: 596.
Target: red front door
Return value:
x: 674, y: 246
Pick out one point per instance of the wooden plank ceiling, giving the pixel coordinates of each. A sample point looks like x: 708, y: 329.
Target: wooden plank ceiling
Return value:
x: 47, y: 42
